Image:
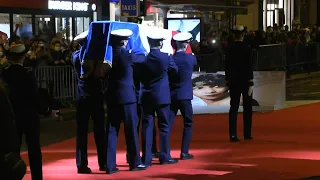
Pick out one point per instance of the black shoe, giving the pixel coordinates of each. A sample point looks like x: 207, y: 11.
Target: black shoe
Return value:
x: 186, y: 156
x: 234, y: 139
x: 248, y: 138
x: 111, y: 170
x: 170, y: 161
x: 155, y: 155
x: 102, y: 168
x: 84, y: 170
x: 127, y: 158
x: 139, y: 167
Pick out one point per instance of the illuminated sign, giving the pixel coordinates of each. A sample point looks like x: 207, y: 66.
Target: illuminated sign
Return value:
x: 129, y: 8
x: 68, y: 5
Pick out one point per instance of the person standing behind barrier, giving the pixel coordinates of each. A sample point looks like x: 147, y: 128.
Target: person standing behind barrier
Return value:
x: 181, y: 90
x: 239, y: 77
x: 89, y: 104
x: 22, y: 87
x: 155, y: 98
x: 121, y: 102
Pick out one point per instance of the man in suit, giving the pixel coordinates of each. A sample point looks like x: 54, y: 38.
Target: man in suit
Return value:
x: 22, y: 88
x: 122, y: 102
x: 11, y: 164
x: 155, y: 98
x: 239, y: 77
x: 181, y: 90
x: 89, y: 104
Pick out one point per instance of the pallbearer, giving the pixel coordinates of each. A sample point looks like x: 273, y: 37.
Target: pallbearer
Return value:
x: 122, y: 102
x: 89, y: 104
x: 181, y: 90
x: 155, y: 153
x: 239, y: 76
x: 155, y: 98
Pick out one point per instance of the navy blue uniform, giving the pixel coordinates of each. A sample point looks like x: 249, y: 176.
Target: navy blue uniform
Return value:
x: 89, y: 104
x: 122, y: 105
x: 181, y: 95
x: 137, y: 86
x: 24, y: 99
x: 155, y: 98
x: 239, y: 75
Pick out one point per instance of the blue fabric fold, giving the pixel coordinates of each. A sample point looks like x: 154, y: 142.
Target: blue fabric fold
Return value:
x: 98, y: 45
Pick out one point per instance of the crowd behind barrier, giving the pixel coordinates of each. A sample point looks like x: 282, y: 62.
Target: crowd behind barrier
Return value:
x: 297, y: 58
x: 61, y: 82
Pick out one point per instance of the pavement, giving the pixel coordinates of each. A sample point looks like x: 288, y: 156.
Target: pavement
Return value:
x: 303, y: 87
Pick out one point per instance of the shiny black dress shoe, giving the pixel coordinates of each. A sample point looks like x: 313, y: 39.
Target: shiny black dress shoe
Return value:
x: 186, y: 156
x: 140, y: 167
x: 84, y: 170
x: 170, y: 161
x: 155, y: 155
x: 112, y: 170
x: 248, y: 138
x: 234, y: 139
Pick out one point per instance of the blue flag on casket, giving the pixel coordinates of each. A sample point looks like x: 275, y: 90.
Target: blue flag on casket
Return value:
x: 98, y: 45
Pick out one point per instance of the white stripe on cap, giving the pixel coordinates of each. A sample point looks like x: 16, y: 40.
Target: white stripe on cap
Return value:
x: 81, y: 36
x: 122, y: 32
x: 184, y: 36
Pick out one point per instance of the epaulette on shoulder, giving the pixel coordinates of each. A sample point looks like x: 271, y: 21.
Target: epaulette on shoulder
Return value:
x: 130, y: 51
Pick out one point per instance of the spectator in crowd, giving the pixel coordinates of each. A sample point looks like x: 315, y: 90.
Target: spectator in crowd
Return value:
x: 57, y: 54
x: 42, y: 54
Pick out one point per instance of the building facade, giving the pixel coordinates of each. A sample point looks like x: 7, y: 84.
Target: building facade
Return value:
x: 46, y: 16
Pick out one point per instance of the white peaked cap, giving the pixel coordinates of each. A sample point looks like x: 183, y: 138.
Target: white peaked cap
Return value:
x: 81, y: 36
x: 17, y: 48
x: 122, y: 32
x: 156, y: 35
x: 184, y: 36
x: 238, y: 28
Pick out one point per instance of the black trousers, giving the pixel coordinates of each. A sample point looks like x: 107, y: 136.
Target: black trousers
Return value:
x: 236, y: 91
x: 154, y: 142
x: 29, y: 126
x: 87, y: 107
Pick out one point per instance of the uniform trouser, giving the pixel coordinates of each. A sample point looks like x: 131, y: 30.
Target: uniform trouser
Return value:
x: 148, y: 114
x: 185, y: 108
x: 87, y: 107
x: 128, y: 114
x: 235, y: 94
x: 154, y: 142
x: 29, y: 125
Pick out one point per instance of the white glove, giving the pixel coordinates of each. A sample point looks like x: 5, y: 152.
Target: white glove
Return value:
x: 250, y: 90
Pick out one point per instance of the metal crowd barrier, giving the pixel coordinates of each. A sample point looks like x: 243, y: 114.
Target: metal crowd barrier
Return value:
x: 210, y: 63
x: 270, y: 57
x: 297, y: 58
x: 58, y: 80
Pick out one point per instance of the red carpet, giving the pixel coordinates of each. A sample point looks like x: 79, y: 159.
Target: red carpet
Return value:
x: 286, y: 146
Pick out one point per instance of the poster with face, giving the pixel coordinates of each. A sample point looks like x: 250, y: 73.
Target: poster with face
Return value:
x: 209, y: 89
